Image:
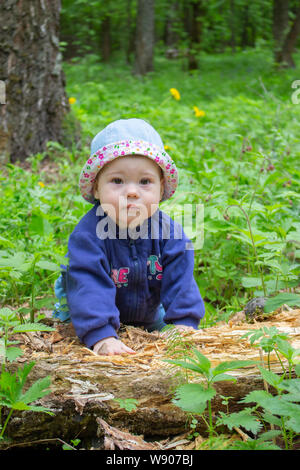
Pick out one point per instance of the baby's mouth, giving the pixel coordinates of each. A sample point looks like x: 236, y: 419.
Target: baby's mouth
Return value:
x: 132, y: 209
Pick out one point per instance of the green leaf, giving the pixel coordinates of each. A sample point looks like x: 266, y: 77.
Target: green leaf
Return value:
x: 294, y: 422
x: 257, y: 396
x: 17, y: 261
x: 251, y: 282
x: 7, y: 315
x: 277, y: 405
x: 193, y: 397
x: 25, y: 327
x: 221, y: 377
x: 271, y: 419
x: 254, y: 335
x: 231, y: 365
x: 12, y: 353
x: 297, y: 370
x: 270, y: 377
x: 202, y: 361
x: 285, y: 348
x: 7, y: 382
x: 185, y: 364
x: 6, y: 242
x: 37, y: 390
x: 283, y: 298
x: 24, y: 407
x: 129, y: 404
x: 67, y: 447
x: 47, y: 265
x: 243, y: 418
x: 292, y: 386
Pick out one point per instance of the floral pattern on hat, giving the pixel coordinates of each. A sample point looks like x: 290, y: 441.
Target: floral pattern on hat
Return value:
x: 124, y: 148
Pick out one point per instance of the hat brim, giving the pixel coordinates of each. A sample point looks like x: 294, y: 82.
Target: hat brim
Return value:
x: 122, y: 149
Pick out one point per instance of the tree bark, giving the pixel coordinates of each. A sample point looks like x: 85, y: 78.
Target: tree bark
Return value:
x: 285, y: 37
x: 84, y: 385
x: 131, y: 34
x: 284, y: 56
x: 280, y: 22
x: 232, y: 25
x: 170, y: 35
x: 30, y: 65
x: 193, y: 14
x: 106, y: 38
x: 144, y: 44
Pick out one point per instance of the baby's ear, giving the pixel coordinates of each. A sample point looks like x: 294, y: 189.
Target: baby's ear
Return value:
x: 95, y: 189
x: 162, y: 187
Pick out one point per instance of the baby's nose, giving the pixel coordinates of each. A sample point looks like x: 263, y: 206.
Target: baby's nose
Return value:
x: 132, y: 190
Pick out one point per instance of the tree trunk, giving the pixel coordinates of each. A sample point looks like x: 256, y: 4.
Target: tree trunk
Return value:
x: 171, y: 36
x: 193, y: 14
x: 280, y: 22
x: 131, y: 32
x: 106, y: 39
x: 285, y: 37
x: 232, y: 25
x: 144, y: 43
x: 84, y: 385
x: 244, y: 36
x: 30, y: 65
x: 283, y: 56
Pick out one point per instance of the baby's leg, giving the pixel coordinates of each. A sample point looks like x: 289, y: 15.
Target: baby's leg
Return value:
x: 158, y: 322
x: 61, y: 309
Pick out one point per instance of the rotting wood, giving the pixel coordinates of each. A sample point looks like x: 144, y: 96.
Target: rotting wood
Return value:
x: 83, y: 385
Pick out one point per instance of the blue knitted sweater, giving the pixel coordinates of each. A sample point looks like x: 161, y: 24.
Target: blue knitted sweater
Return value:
x: 125, y: 277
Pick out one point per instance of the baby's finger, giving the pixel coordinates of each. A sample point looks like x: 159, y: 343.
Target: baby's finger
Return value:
x: 126, y: 349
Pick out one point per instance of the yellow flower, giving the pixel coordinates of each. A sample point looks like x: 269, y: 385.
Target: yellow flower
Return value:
x: 167, y: 147
x: 198, y: 112
x: 72, y: 100
x: 41, y: 184
x: 175, y: 93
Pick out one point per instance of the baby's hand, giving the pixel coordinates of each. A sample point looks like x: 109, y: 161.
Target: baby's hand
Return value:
x: 110, y: 346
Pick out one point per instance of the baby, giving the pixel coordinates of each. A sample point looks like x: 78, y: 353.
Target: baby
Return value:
x: 128, y: 261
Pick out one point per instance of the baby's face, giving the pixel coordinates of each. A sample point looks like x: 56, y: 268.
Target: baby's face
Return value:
x: 135, y: 180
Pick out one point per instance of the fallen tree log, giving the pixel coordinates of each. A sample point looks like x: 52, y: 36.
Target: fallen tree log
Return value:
x: 84, y: 385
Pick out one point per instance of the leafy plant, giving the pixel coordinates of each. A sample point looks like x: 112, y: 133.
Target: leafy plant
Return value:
x: 271, y: 339
x: 281, y: 411
x: 129, y: 404
x: 13, y: 396
x: 283, y: 298
x: 74, y: 442
x: 12, y: 385
x: 20, y: 267
x: 195, y: 398
x: 10, y: 325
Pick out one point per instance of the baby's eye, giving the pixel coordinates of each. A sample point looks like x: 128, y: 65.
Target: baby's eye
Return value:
x: 116, y: 180
x: 145, y: 180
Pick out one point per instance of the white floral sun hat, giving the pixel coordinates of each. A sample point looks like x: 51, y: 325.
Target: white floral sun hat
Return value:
x: 127, y: 137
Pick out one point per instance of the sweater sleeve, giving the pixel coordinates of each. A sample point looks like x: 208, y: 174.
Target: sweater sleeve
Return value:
x: 90, y: 290
x: 180, y: 294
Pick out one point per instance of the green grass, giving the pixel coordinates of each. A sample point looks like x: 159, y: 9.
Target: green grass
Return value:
x: 250, y: 123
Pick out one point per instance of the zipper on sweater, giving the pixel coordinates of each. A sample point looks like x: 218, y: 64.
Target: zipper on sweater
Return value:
x: 133, y: 250
x: 136, y: 264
